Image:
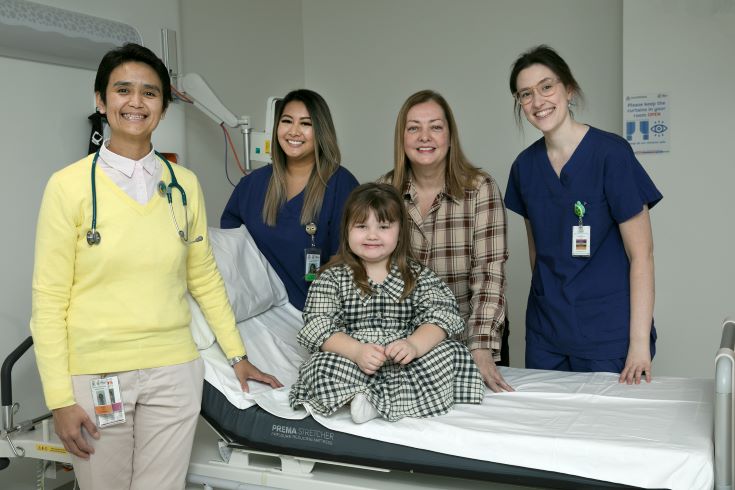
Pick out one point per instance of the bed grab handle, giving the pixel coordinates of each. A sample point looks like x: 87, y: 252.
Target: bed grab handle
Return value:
x: 6, y: 395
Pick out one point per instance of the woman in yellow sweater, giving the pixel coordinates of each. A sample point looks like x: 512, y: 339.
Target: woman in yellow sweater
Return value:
x: 110, y: 321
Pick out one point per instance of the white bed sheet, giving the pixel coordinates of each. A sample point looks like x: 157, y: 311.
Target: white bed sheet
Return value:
x: 656, y: 435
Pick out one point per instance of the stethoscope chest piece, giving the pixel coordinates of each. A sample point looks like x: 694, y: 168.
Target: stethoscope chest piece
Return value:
x: 93, y: 237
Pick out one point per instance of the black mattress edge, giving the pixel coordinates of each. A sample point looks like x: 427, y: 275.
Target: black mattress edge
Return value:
x: 258, y: 429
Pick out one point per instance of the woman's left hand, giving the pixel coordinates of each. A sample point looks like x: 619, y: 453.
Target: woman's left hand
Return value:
x: 244, y: 371
x: 489, y: 371
x: 637, y: 364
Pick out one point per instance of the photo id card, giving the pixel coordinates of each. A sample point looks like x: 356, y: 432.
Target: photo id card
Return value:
x: 108, y: 404
x: 313, y: 262
x: 581, y: 245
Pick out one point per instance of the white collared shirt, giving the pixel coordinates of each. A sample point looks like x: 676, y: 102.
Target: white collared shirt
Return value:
x: 138, y: 178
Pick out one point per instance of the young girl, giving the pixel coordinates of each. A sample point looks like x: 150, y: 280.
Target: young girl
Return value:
x: 378, y: 324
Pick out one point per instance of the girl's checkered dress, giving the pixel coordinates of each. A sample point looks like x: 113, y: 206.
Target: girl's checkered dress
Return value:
x: 429, y: 385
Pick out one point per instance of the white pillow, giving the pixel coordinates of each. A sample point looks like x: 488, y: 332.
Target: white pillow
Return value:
x: 251, y: 283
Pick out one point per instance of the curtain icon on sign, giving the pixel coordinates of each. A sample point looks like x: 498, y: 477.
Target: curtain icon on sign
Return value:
x: 643, y: 126
x: 629, y: 130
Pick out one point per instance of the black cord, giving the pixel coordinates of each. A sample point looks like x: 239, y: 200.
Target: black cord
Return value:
x: 226, y: 151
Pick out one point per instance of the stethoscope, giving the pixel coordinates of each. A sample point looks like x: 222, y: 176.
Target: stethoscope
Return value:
x: 94, y: 237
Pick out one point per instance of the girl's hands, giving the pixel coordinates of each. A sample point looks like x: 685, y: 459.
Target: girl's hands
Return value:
x: 369, y: 357
x: 402, y: 351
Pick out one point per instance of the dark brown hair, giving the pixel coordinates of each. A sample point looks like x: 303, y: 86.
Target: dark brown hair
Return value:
x: 386, y: 202
x: 542, y: 55
x: 326, y: 159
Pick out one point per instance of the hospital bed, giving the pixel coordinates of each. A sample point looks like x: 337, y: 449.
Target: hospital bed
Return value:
x: 558, y: 430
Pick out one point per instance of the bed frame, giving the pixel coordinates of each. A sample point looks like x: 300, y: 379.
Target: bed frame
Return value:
x: 219, y: 460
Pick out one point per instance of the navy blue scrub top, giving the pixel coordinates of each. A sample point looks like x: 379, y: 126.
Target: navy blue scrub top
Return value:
x: 283, y: 245
x: 580, y: 306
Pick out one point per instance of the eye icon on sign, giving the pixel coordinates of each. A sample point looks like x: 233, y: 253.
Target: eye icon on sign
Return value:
x: 658, y: 128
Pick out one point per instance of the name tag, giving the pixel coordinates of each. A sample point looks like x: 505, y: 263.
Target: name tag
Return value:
x: 107, y: 400
x: 581, y: 241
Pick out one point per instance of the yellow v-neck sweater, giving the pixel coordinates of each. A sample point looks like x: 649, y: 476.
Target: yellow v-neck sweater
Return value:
x: 119, y: 305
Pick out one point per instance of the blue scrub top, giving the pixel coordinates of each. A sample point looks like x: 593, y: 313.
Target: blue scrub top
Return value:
x: 580, y: 306
x: 283, y: 245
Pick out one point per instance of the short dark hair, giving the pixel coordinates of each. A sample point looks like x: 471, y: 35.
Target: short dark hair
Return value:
x: 126, y: 53
x: 543, y: 55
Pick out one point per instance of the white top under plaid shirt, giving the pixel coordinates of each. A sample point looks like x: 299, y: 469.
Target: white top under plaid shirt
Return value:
x: 463, y: 241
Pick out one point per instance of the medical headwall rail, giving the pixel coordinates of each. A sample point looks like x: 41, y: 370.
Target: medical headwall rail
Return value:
x: 724, y: 416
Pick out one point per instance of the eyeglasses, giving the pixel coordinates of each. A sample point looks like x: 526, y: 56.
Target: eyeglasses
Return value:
x: 545, y: 88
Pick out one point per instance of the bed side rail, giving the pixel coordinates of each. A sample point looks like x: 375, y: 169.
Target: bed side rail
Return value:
x: 724, y: 396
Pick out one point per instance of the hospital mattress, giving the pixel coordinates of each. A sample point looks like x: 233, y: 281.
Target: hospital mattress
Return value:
x: 558, y: 430
x: 258, y: 429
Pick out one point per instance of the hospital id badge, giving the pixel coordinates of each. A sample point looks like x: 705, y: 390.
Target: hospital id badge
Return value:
x: 108, y: 405
x: 581, y: 236
x: 313, y: 262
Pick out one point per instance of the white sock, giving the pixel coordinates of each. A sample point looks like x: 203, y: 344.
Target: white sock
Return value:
x: 362, y: 410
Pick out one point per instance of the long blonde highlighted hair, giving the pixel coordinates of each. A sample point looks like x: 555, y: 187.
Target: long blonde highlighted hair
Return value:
x: 459, y: 174
x: 327, y: 158
x: 386, y: 202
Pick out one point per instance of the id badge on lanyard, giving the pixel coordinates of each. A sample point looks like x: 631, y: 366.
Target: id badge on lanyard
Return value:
x: 107, y: 400
x: 312, y: 255
x: 581, y: 235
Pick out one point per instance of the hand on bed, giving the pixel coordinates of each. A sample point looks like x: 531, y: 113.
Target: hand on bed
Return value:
x: 489, y: 371
x: 637, y: 363
x: 402, y: 351
x: 244, y: 371
x: 369, y: 357
x: 68, y: 423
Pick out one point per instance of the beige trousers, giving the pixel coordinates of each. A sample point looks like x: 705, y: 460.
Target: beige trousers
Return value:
x: 151, y: 449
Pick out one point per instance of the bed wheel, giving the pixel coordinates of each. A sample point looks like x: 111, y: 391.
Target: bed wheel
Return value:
x: 4, y: 463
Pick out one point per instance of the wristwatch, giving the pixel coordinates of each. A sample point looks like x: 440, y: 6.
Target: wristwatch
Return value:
x: 236, y: 359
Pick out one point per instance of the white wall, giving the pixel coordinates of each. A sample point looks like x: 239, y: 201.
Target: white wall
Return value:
x: 44, y: 128
x: 246, y: 51
x: 366, y: 58
x: 685, y: 49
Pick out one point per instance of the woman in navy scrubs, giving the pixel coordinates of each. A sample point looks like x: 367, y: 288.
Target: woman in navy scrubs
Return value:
x: 293, y: 208
x: 585, y: 199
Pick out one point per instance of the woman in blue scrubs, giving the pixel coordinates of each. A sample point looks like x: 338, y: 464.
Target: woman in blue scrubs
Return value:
x: 585, y: 199
x: 293, y: 208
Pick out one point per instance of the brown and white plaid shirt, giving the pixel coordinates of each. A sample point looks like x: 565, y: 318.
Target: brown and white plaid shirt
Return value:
x: 463, y: 241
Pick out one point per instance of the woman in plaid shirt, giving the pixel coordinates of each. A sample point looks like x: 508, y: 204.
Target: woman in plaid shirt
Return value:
x: 378, y: 324
x: 457, y: 222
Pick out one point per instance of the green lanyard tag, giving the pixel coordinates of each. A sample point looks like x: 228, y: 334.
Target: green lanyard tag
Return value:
x: 579, y: 211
